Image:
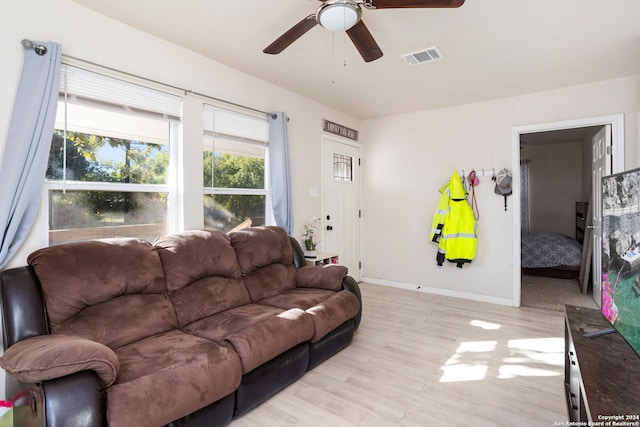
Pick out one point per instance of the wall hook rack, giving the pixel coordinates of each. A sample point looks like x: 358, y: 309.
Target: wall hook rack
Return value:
x: 479, y: 172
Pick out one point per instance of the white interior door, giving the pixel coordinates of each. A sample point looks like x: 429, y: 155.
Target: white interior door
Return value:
x: 341, y: 202
x: 602, y: 164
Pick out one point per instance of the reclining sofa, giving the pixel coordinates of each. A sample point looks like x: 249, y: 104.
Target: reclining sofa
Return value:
x: 192, y: 330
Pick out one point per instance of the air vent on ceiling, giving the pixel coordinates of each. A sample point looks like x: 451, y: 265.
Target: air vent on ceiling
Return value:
x: 426, y: 55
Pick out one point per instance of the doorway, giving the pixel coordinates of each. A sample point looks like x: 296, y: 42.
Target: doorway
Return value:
x: 549, y: 130
x: 341, y: 202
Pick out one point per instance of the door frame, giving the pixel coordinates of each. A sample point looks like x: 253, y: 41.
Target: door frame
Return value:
x: 323, y: 176
x: 617, y: 142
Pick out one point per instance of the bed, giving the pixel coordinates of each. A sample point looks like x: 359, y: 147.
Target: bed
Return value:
x: 551, y: 255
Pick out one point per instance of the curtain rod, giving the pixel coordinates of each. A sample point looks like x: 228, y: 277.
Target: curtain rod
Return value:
x: 186, y: 91
x: 38, y: 48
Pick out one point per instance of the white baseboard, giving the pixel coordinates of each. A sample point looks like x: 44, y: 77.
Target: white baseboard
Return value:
x: 440, y: 291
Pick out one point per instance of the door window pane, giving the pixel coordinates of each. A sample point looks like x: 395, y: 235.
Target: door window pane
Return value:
x: 342, y: 167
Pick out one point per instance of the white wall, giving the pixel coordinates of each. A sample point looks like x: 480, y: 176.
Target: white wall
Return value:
x: 555, y: 185
x: 408, y: 157
x: 92, y: 37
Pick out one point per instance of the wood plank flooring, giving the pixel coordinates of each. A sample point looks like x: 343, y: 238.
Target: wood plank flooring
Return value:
x: 427, y: 360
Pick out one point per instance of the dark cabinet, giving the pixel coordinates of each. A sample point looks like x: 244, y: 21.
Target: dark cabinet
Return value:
x: 582, y: 208
x: 602, y: 374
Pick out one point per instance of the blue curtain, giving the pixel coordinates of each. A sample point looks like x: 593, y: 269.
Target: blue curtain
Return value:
x: 26, y: 152
x: 280, y: 171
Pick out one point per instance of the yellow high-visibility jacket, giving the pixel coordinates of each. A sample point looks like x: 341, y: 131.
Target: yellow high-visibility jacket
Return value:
x: 454, y: 226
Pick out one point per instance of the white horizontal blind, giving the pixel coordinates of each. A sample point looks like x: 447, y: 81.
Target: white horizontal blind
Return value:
x: 227, y: 124
x: 87, y: 87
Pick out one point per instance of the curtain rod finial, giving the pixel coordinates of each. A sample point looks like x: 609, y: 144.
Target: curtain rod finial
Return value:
x: 38, y: 48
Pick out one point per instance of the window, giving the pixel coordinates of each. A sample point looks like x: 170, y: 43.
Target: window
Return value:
x: 234, y: 168
x: 108, y: 170
x: 342, y: 168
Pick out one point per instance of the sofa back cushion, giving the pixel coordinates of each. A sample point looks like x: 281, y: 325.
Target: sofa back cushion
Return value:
x: 266, y: 260
x: 203, y: 275
x: 112, y: 291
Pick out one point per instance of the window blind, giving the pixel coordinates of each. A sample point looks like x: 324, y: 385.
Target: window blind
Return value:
x: 231, y: 125
x: 98, y: 90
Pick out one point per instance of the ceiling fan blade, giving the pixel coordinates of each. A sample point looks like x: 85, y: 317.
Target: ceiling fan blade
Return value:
x: 364, y: 42
x: 398, y: 4
x: 293, y: 34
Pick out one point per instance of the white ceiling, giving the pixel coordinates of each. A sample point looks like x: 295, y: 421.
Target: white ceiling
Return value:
x: 492, y: 48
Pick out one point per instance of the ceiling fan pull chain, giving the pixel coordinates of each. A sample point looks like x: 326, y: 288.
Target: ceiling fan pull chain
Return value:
x: 344, y: 49
x: 333, y: 58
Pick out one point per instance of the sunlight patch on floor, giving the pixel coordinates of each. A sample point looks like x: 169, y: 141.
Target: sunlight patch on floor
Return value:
x: 467, y: 363
x: 528, y: 357
x: 541, y: 350
x: 485, y: 325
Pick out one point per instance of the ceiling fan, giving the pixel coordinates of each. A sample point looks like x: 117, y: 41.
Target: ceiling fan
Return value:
x: 345, y: 15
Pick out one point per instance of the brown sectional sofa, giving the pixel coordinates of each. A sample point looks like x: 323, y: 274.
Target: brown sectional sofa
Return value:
x: 195, y: 329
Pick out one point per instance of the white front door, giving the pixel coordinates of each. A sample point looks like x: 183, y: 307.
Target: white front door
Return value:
x: 341, y: 202
x: 601, y: 155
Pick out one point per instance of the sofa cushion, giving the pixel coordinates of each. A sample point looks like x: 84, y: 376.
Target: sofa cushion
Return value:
x: 46, y: 357
x: 193, y: 255
x: 203, y: 275
x: 167, y: 376
x: 265, y: 340
x: 303, y: 298
x: 328, y: 309
x: 265, y: 256
x: 258, y: 247
x: 112, y: 291
x: 330, y: 314
x: 270, y: 280
x: 219, y: 326
x: 122, y: 320
x: 256, y: 332
x: 328, y: 276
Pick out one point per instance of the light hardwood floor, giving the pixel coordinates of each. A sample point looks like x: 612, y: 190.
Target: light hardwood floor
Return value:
x: 426, y: 360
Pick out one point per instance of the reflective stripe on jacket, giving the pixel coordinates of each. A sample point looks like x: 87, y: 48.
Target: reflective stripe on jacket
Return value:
x: 454, y: 226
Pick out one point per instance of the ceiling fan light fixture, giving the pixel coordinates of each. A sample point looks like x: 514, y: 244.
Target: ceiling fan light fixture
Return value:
x: 338, y: 15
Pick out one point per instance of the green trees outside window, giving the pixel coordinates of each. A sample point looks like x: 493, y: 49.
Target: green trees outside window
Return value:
x: 233, y: 172
x: 89, y: 158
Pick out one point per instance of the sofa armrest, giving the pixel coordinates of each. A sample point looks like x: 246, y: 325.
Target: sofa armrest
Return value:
x: 350, y: 284
x: 46, y: 357
x: 328, y: 276
x: 81, y: 398
x: 23, y: 311
x: 76, y: 400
